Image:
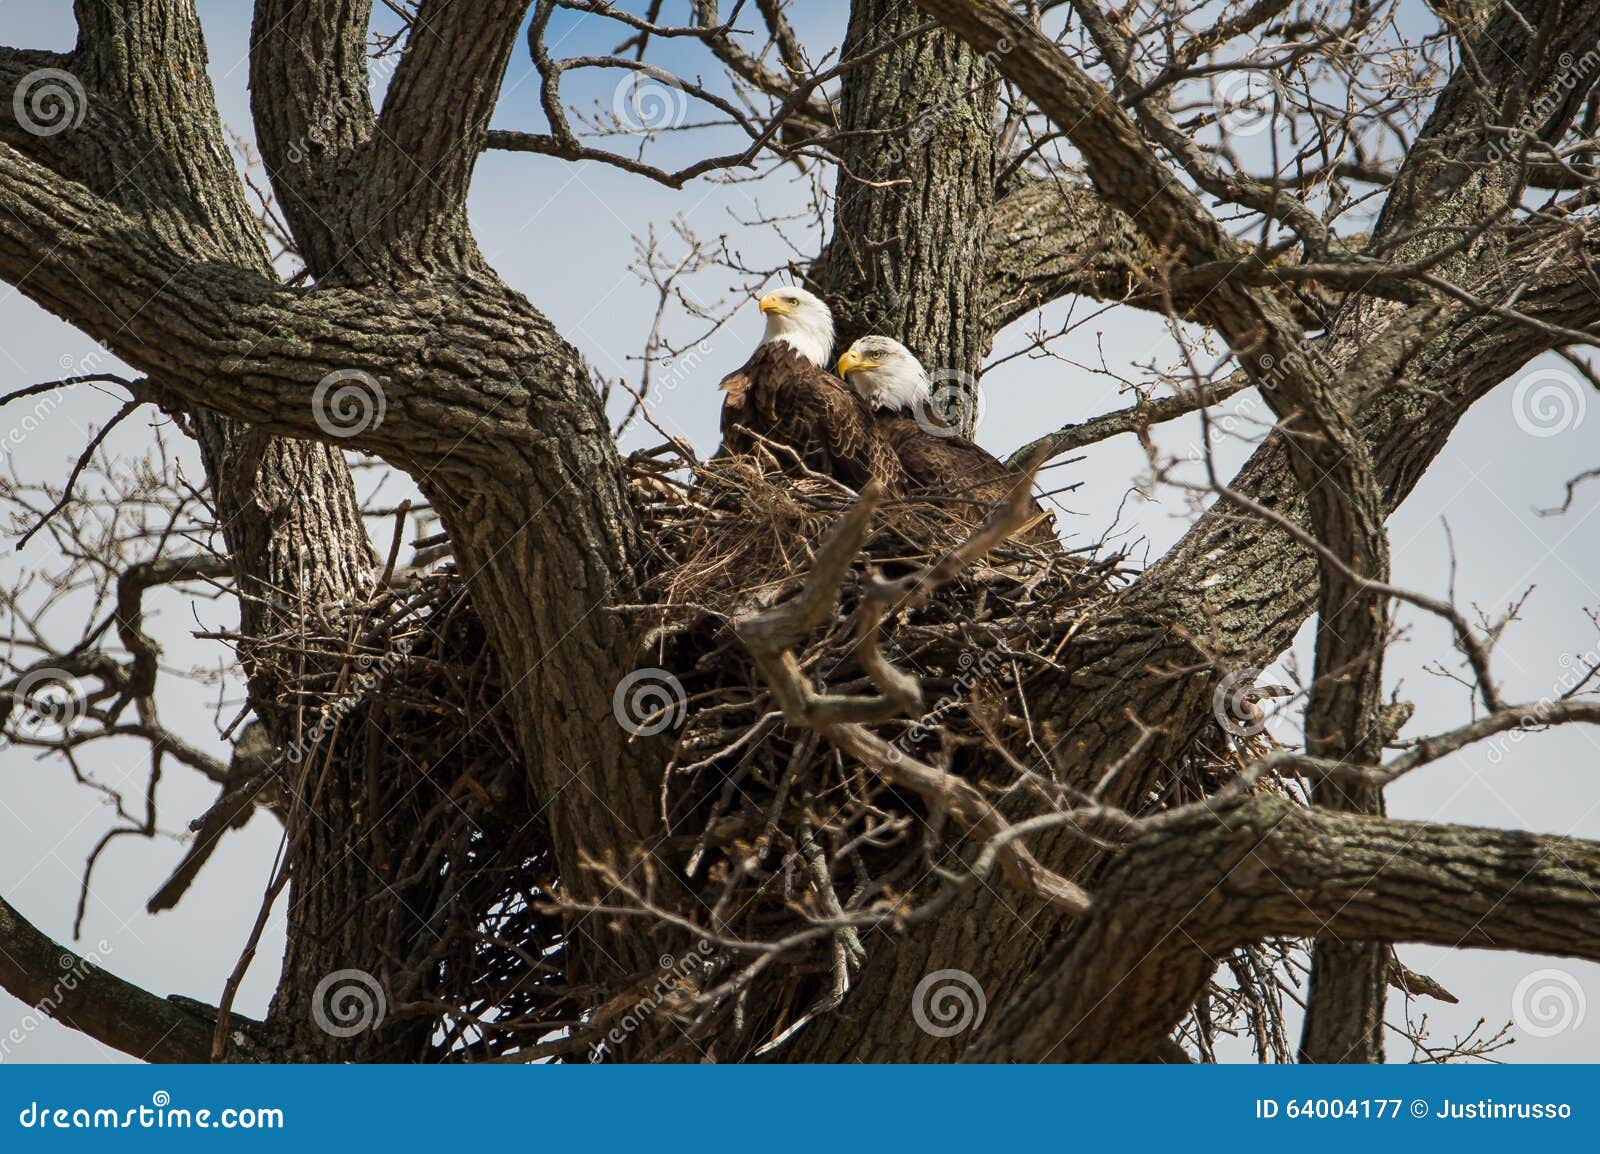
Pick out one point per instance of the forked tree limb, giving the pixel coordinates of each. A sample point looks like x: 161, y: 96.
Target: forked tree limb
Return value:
x: 310, y: 100
x: 425, y: 148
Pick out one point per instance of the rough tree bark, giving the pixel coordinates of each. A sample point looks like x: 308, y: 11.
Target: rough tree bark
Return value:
x: 388, y: 228
x: 287, y: 508
x: 915, y: 189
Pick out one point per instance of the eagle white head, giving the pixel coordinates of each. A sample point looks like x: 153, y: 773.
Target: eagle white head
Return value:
x: 800, y: 320
x: 885, y: 374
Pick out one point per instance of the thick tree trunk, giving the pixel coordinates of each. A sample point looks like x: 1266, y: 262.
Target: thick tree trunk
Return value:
x: 915, y: 189
x: 1258, y: 587
x: 287, y: 507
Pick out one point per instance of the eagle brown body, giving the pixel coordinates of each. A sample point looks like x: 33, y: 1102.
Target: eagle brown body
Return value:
x: 942, y: 464
x: 938, y: 463
x: 782, y: 397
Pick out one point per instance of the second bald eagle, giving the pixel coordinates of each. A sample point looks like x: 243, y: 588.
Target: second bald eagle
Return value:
x: 936, y: 459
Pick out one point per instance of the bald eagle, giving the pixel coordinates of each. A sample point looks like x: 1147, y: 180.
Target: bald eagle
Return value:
x: 783, y: 394
x: 937, y: 461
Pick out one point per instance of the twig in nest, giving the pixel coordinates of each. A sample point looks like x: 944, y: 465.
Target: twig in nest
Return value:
x: 772, y: 634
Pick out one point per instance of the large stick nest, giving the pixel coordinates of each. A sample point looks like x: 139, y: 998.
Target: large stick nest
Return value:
x: 780, y: 851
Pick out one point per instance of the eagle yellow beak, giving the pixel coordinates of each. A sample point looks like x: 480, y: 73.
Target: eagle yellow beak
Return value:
x: 853, y: 361
x: 773, y: 303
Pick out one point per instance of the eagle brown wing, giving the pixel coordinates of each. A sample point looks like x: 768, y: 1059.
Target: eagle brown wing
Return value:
x: 784, y: 398
x: 947, y: 465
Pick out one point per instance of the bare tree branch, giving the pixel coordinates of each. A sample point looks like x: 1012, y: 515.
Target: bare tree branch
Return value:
x: 1206, y: 880
x: 76, y: 991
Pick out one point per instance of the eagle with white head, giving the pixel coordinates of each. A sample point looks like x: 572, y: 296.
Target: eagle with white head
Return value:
x: 890, y: 379
x: 783, y: 394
